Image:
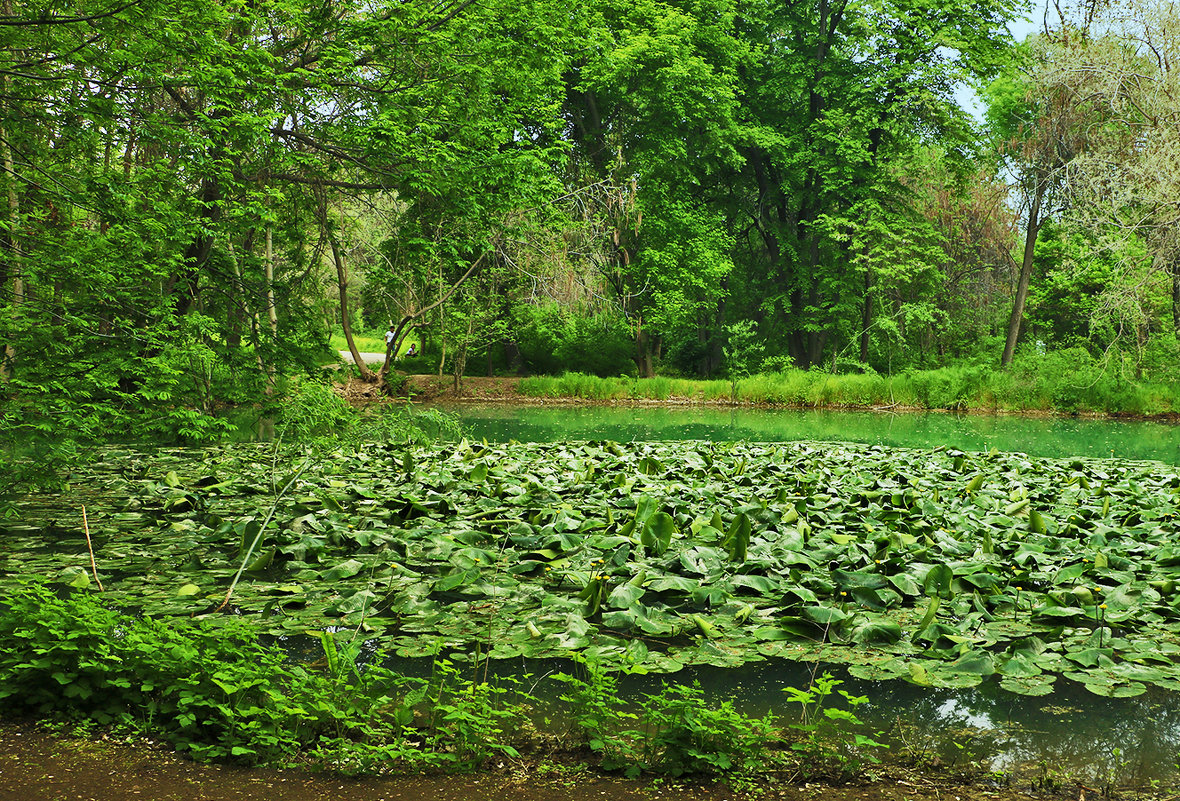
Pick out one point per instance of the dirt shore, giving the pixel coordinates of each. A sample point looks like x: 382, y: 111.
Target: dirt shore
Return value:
x: 39, y: 765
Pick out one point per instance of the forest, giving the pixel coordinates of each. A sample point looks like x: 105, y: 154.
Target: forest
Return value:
x: 198, y: 194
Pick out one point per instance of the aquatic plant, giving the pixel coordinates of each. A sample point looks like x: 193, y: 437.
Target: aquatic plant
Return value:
x: 899, y: 564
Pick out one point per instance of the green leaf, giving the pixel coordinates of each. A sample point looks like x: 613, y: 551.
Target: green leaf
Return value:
x: 658, y: 532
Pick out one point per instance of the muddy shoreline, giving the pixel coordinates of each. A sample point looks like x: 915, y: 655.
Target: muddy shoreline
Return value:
x: 39, y: 764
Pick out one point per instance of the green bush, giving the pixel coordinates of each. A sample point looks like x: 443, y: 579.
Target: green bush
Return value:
x: 685, y: 733
x: 552, y: 341
x: 213, y: 691
x: 679, y: 731
x: 952, y: 388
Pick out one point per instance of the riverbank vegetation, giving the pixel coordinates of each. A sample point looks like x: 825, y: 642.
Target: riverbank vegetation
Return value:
x: 210, y: 690
x: 1065, y: 382
x: 395, y: 575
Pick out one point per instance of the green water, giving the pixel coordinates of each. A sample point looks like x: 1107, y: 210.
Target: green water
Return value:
x: 1040, y: 436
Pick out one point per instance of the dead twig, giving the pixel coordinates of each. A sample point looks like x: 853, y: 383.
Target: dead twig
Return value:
x: 90, y: 547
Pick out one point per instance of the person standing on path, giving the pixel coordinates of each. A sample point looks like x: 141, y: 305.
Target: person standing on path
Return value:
x: 389, y: 337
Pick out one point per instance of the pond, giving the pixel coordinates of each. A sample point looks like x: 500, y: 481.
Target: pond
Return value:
x: 1069, y: 732
x: 705, y: 552
x: 1036, y: 436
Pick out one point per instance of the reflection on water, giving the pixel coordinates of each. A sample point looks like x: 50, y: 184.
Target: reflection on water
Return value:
x: 1071, y: 733
x: 1037, y: 436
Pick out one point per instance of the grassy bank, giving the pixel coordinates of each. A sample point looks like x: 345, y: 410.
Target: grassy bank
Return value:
x: 1051, y: 385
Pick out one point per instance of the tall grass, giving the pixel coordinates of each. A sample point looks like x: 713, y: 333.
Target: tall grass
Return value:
x: 1065, y: 381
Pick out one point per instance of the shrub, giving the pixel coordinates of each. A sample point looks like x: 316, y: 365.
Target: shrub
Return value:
x: 551, y: 340
x: 212, y: 690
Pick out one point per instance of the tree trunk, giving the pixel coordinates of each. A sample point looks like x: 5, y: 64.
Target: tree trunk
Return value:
x: 1026, y: 265
x: 1174, y: 272
x: 272, y: 311
x: 643, y: 354
x: 12, y: 265
x: 345, y: 322
x: 866, y: 319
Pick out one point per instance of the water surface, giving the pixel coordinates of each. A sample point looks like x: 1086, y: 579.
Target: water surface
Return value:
x: 1069, y: 733
x: 1036, y: 436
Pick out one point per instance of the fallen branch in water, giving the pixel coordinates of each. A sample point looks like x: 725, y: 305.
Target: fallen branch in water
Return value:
x: 90, y: 547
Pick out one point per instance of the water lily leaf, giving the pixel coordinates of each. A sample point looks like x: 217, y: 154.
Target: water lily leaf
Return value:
x: 919, y: 674
x: 760, y: 584
x: 850, y: 579
x: 874, y: 599
x: 657, y: 533
x: 885, y: 670
x: 824, y: 615
x: 1020, y: 665
x: 737, y: 539
x: 905, y: 584
x: 649, y: 466
x: 343, y: 570
x: 624, y: 596
x: 75, y: 577
x: 937, y: 581
x: 877, y: 632
x: 262, y: 560
x: 710, y: 595
x: 1029, y: 685
x: 673, y: 583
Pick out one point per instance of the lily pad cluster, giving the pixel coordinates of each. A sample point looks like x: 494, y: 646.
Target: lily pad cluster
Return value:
x: 939, y: 567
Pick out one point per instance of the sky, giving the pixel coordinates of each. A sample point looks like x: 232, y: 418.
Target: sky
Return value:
x: 1034, y: 16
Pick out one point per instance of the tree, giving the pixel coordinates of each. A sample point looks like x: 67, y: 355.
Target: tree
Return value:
x: 652, y: 120
x: 1040, y: 127
x: 838, y: 94
x: 169, y: 194
x: 1124, y: 187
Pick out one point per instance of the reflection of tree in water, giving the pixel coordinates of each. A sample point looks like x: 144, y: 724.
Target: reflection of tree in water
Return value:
x: 1071, y: 733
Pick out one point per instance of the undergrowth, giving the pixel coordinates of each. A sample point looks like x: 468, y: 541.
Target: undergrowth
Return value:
x: 211, y: 690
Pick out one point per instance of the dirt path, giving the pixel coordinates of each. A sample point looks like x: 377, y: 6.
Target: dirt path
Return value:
x: 367, y: 358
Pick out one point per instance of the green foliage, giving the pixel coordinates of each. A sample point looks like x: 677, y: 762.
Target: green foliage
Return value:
x: 210, y: 690
x: 471, y: 721
x: 834, y: 742
x: 1068, y: 381
x: 214, y: 692
x: 686, y: 733
x: 317, y: 413
x: 948, y: 387
x: 315, y: 410
x: 552, y: 340
x: 594, y: 705
x: 679, y: 730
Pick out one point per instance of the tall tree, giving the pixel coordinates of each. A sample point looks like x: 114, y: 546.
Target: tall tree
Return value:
x: 839, y: 92
x: 1040, y: 124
